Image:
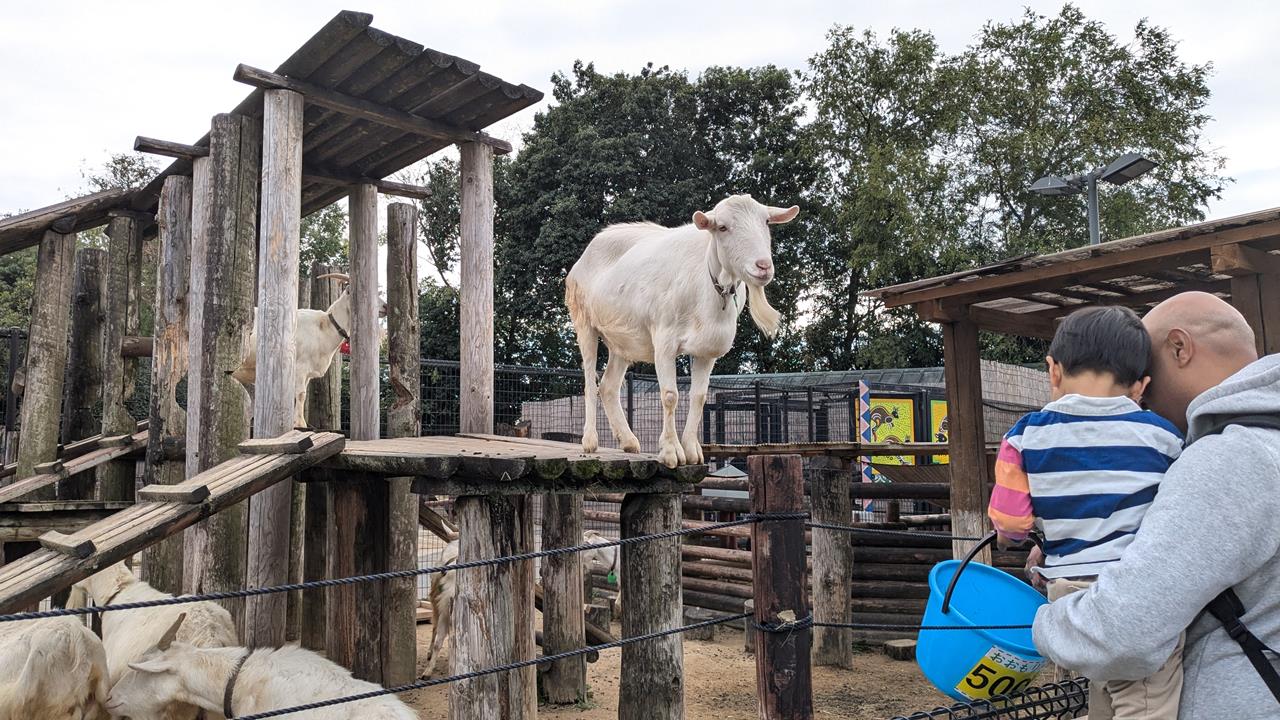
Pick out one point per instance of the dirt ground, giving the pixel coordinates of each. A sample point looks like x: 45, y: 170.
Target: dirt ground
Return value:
x: 720, y: 685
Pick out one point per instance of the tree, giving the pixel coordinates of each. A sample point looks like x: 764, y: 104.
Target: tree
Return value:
x: 324, y: 237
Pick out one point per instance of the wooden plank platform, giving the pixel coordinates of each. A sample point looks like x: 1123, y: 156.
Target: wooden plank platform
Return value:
x: 46, y: 571
x: 104, y: 450
x: 483, y: 464
x: 76, y: 449
x: 26, y: 522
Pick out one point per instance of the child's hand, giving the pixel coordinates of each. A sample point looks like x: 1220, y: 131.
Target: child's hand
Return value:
x: 1034, y: 560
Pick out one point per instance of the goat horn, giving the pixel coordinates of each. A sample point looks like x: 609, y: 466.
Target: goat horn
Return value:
x: 167, y: 638
x: 341, y: 276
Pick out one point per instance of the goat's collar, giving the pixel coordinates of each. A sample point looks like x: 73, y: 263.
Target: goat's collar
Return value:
x: 229, y: 693
x: 724, y: 292
x: 334, y: 321
x: 95, y: 622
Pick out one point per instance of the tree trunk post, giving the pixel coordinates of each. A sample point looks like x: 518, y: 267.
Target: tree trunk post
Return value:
x: 652, y: 683
x: 493, y: 611
x: 966, y: 443
x: 46, y: 357
x: 324, y: 410
x: 84, y: 364
x: 297, y: 515
x: 274, y: 394
x: 356, y: 629
x: 224, y: 238
x: 404, y: 352
x: 162, y: 563
x: 832, y: 561
x: 564, y: 682
x: 783, y: 678
x: 475, y: 302
x: 116, y: 480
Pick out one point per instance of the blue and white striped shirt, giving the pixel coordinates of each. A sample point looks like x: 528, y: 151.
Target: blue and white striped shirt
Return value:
x: 1092, y: 466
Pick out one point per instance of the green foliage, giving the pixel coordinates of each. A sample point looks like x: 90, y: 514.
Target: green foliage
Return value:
x: 17, y: 281
x: 119, y: 171
x: 324, y: 237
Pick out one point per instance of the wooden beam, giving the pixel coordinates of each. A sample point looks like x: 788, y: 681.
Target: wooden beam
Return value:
x: 1237, y: 260
x: 311, y: 173
x: 476, y: 293
x: 169, y: 149
x: 83, y: 389
x: 292, y: 442
x: 1010, y: 323
x: 364, y: 109
x: 832, y: 559
x: 275, y: 395
x: 967, y: 439
x: 564, y: 682
x: 116, y: 481
x: 14, y: 231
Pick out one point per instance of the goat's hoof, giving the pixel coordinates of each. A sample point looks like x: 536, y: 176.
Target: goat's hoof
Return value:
x: 693, y: 452
x: 668, y: 456
x: 631, y: 445
x: 590, y: 443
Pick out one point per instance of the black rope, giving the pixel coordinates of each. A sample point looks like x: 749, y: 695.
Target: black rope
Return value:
x: 400, y: 574
x: 904, y: 533
x: 493, y: 670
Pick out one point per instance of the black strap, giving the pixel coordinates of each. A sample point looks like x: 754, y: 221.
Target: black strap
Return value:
x: 336, y: 326
x: 229, y: 692
x: 1228, y: 609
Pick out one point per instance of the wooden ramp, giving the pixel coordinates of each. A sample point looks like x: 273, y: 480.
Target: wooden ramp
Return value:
x: 80, y: 456
x: 161, y: 511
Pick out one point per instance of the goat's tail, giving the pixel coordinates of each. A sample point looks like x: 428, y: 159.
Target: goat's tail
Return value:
x: 575, y: 300
x: 765, y: 317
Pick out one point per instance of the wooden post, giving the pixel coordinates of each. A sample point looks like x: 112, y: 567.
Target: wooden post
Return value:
x: 1258, y: 299
x: 493, y: 611
x: 832, y: 561
x: 966, y: 444
x: 475, y: 302
x: 404, y: 419
x: 116, y: 480
x: 297, y: 517
x: 564, y: 682
x: 83, y: 388
x: 356, y: 629
x: 652, y: 678
x: 274, y: 395
x: 783, y: 678
x: 46, y: 357
x: 162, y: 563
x: 324, y: 409
x: 224, y: 210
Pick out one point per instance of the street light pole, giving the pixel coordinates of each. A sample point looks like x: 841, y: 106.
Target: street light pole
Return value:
x: 1094, y: 237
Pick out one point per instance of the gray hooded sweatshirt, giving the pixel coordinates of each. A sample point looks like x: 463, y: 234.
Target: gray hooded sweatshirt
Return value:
x: 1215, y: 524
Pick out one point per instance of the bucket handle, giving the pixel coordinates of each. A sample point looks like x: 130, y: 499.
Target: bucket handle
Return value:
x: 984, y: 542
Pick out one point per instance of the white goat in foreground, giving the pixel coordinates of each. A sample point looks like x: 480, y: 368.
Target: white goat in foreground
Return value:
x: 319, y: 335
x: 653, y: 293
x: 51, y: 669
x: 236, y: 681
x: 127, y: 635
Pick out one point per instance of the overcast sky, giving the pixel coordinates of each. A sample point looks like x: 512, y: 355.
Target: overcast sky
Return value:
x: 82, y: 79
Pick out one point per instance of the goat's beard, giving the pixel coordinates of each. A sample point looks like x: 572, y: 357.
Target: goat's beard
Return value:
x: 762, y: 313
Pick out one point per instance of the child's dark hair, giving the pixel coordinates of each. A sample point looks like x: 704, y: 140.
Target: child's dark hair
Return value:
x: 1103, y: 339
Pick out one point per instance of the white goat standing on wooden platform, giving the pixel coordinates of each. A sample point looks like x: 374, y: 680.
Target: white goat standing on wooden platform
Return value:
x: 652, y: 293
x: 319, y: 335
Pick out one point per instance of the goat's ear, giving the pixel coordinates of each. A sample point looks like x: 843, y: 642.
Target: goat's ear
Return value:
x: 778, y: 216
x: 158, y: 665
x: 703, y: 221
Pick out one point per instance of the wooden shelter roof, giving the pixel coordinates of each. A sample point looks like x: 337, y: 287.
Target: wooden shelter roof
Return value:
x: 1025, y: 295
x: 365, y: 67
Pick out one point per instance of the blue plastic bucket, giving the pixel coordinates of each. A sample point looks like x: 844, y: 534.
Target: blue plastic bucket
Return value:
x: 978, y: 664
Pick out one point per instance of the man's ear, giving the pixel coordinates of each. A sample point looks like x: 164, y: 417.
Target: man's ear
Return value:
x: 1055, y: 372
x: 1182, y: 346
x: 1138, y: 389
x: 778, y: 216
x: 703, y: 221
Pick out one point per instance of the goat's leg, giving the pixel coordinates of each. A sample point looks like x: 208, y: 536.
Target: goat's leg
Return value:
x: 300, y: 409
x: 670, y: 452
x: 441, y: 626
x: 588, y: 344
x: 611, y: 398
x: 699, y: 381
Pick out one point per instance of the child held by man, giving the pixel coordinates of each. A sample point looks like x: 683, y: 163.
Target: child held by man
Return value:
x: 1083, y: 471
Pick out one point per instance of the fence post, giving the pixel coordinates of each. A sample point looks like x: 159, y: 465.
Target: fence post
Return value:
x: 565, y: 681
x: 832, y: 561
x: 652, y: 684
x: 783, y: 681
x: 759, y: 419
x: 10, y: 397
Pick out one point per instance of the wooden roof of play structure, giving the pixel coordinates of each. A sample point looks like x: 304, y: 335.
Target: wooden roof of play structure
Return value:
x: 1025, y: 295
x: 375, y: 104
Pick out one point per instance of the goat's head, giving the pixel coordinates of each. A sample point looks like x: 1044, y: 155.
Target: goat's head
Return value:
x: 155, y: 680
x: 739, y: 227
x: 344, y: 281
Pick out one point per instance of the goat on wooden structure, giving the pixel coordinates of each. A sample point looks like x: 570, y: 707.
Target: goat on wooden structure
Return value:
x: 653, y: 293
x: 320, y: 334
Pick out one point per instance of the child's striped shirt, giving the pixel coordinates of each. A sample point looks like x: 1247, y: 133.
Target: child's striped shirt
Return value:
x: 1085, y: 469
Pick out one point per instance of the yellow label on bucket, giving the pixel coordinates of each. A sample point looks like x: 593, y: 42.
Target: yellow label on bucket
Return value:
x: 999, y: 672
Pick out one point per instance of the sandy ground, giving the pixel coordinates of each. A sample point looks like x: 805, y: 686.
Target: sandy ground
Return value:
x: 720, y: 685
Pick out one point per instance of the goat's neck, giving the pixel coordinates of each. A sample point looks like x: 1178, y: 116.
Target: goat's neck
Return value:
x: 722, y: 275
x: 206, y: 679
x: 341, y: 310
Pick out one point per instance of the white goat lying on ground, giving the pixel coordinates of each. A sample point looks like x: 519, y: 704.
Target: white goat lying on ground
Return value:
x: 607, y: 559
x: 319, y: 335
x: 51, y: 669
x: 653, y: 293
x: 128, y: 634
x: 236, y: 681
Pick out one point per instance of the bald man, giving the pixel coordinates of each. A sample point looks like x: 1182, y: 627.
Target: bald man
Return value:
x: 1214, y: 525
